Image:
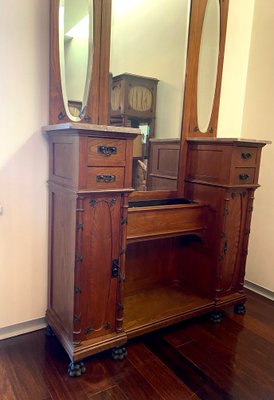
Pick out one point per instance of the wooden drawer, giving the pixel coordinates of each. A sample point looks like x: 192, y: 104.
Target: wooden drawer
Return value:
x: 105, y: 178
x: 106, y: 152
x: 245, y: 156
x: 221, y: 164
x: 244, y: 176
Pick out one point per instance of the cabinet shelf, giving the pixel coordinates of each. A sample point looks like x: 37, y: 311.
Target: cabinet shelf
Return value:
x: 155, y: 308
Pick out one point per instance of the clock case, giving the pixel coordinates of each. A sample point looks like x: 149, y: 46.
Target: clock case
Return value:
x: 133, y: 101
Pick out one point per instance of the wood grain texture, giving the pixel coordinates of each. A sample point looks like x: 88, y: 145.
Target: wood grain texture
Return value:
x: 193, y: 360
x: 159, y: 221
x: 101, y: 241
x: 163, y: 164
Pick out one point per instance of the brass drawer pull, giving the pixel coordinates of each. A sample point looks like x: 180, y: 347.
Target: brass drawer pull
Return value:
x: 244, y: 177
x: 107, y: 151
x: 105, y: 178
x: 246, y: 156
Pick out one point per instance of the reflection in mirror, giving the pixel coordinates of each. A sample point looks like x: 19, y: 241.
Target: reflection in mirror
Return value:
x: 147, y: 64
x: 208, y: 64
x: 75, y: 51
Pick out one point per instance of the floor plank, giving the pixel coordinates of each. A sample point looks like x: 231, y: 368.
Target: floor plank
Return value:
x: 167, y: 384
x: 113, y: 393
x: 7, y: 392
x: 193, y: 360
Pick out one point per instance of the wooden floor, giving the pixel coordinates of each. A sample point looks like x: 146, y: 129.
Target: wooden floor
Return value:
x: 195, y: 360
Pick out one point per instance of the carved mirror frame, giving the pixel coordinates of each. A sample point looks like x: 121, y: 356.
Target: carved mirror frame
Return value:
x: 57, y: 113
x: 190, y: 119
x: 191, y: 90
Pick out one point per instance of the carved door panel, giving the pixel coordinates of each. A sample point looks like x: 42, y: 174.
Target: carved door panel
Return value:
x: 97, y: 265
x: 232, y: 251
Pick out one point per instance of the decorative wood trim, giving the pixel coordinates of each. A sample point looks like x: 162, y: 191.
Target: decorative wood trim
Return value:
x: 189, y: 121
x: 191, y: 125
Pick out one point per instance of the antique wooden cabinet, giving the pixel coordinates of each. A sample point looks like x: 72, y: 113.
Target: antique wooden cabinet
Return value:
x: 120, y: 269
x: 123, y: 263
x: 222, y: 173
x: 89, y: 182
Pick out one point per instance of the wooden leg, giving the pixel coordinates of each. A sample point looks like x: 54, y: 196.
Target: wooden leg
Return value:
x: 76, y: 369
x: 119, y: 353
x: 239, y: 309
x: 216, y: 317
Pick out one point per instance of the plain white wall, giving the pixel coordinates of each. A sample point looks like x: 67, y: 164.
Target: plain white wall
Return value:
x: 149, y: 38
x: 239, y: 28
x: 24, y: 83
x: 258, y: 123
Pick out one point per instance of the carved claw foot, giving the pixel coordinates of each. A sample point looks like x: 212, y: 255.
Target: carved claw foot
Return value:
x: 49, y: 331
x: 76, y: 369
x: 119, y: 353
x: 239, y: 309
x: 216, y: 317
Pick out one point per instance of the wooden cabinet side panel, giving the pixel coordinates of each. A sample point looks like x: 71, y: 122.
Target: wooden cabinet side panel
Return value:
x: 163, y: 165
x: 64, y: 160
x: 204, y: 161
x: 62, y: 256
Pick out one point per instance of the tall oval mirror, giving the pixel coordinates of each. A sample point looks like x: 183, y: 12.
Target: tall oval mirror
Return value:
x: 75, y: 54
x: 147, y: 65
x: 208, y: 64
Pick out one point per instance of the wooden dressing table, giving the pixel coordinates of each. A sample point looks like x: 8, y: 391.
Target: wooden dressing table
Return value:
x: 122, y: 263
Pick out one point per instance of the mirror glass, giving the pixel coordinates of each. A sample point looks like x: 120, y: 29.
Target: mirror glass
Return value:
x: 208, y: 64
x: 147, y: 72
x: 76, y: 54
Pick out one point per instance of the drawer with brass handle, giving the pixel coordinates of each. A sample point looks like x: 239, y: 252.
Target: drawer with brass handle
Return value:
x: 105, y: 177
x: 244, y: 176
x: 245, y: 156
x: 106, y: 152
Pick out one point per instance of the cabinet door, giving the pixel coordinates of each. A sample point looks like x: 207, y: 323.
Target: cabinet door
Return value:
x: 236, y: 224
x: 97, y: 265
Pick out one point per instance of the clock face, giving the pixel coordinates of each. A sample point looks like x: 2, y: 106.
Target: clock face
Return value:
x: 140, y: 98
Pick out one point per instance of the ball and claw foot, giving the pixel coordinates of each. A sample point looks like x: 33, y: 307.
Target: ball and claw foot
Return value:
x: 216, y: 317
x: 76, y: 369
x: 239, y: 309
x: 119, y: 353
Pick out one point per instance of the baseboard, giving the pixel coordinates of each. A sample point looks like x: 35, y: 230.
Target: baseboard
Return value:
x: 260, y: 290
x: 24, y: 327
